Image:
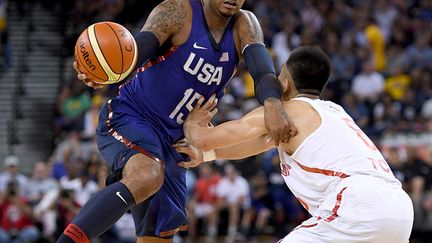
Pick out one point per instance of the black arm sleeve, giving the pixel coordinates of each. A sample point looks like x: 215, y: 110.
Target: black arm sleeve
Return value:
x: 147, y: 44
x: 260, y: 66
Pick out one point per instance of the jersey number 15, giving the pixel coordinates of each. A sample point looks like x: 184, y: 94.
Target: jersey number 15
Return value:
x: 188, y: 100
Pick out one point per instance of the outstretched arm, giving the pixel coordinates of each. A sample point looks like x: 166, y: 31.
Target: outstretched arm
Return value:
x: 246, y: 149
x: 267, y: 88
x: 206, y: 138
x: 234, y: 152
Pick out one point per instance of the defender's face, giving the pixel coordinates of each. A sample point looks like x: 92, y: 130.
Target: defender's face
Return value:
x: 228, y: 8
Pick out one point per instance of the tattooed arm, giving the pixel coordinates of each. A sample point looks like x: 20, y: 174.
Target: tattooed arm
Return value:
x: 166, y: 19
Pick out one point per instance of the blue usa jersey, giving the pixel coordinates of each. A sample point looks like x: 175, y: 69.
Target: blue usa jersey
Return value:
x: 165, y: 89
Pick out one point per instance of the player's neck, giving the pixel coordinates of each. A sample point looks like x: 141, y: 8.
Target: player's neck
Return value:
x: 215, y: 20
x: 305, y: 95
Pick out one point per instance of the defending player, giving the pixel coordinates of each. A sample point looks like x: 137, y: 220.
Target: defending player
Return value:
x: 331, y: 166
x: 194, y: 47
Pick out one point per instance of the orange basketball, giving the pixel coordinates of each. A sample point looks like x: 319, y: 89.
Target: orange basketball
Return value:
x: 106, y: 52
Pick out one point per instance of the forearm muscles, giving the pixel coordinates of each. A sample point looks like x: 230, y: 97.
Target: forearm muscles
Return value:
x: 246, y: 149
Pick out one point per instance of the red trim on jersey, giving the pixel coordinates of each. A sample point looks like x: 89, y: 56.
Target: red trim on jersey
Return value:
x: 173, y: 231
x: 336, y: 207
x: 331, y: 217
x: 76, y: 234
x: 308, y: 225
x: 122, y: 139
x: 150, y: 63
x: 158, y: 59
x: 322, y: 171
x: 305, y: 226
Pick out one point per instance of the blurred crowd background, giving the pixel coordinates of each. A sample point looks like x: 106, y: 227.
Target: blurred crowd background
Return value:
x: 381, y: 54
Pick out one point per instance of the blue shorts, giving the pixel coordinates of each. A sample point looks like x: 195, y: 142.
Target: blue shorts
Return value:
x: 120, y: 135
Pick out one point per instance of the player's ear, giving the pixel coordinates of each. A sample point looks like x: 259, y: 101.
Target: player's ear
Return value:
x: 283, y: 79
x: 285, y: 85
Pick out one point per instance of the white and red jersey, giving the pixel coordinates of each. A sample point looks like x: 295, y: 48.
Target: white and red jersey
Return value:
x: 336, y: 150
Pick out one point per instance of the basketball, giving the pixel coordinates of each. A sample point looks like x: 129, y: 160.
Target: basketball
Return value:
x: 106, y: 52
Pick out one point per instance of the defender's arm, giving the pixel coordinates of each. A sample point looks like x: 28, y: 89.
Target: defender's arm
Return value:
x: 234, y: 152
x: 246, y: 149
x: 250, y: 127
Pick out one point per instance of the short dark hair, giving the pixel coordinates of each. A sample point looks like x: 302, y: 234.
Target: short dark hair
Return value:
x: 310, y: 69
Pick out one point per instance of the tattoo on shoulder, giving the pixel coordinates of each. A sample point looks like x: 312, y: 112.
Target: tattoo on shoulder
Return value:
x: 168, y: 17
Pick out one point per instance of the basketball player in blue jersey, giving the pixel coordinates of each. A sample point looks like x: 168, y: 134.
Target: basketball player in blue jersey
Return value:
x: 187, y: 49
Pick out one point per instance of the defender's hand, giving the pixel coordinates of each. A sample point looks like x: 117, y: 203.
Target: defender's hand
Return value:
x: 203, y: 113
x: 277, y: 122
x: 196, y: 156
x: 83, y: 77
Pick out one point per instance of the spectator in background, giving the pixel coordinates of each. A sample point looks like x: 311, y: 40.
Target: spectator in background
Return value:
x: 257, y: 216
x: 66, y: 155
x: 63, y: 94
x: 42, y: 193
x: 369, y: 84
x: 125, y: 229
x: 91, y: 116
x: 74, y: 107
x: 416, y: 172
x: 233, y: 194
x: 397, y: 165
x: 424, y: 90
x: 284, y: 41
x: 385, y: 14
x: 343, y: 63
x: 397, y: 84
x: 203, y: 202
x: 66, y: 210
x: 420, y: 53
x: 310, y: 16
x: 11, y: 173
x: 82, y: 186
x: 424, y: 210
x: 376, y: 44
x: 395, y: 59
x: 357, y: 110
x: 16, y: 217
x: 285, y: 206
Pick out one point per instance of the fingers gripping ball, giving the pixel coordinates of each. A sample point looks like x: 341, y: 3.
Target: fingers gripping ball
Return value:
x: 106, y: 52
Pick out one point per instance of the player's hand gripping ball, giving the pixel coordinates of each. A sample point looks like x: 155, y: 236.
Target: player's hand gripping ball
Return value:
x: 106, y: 53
